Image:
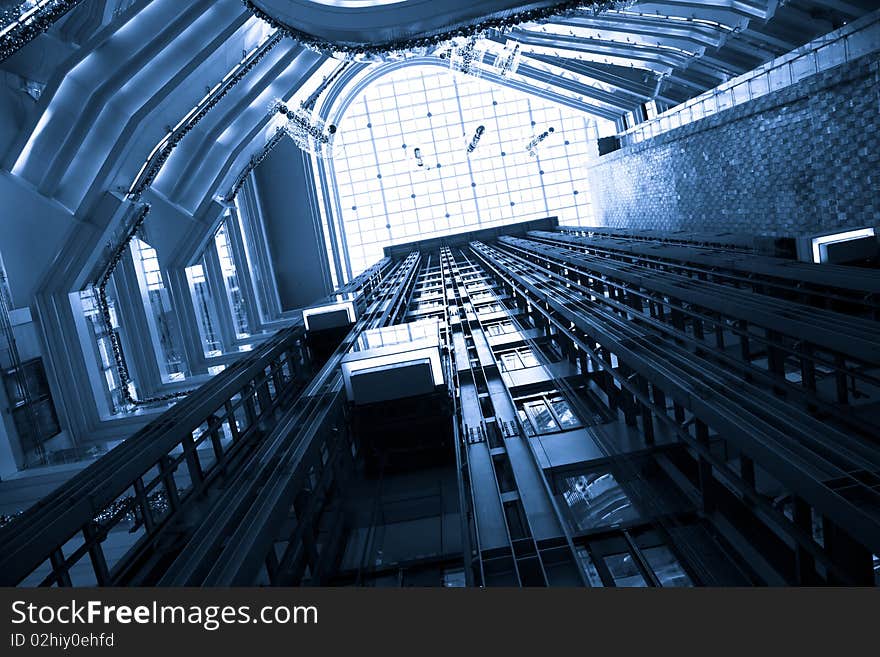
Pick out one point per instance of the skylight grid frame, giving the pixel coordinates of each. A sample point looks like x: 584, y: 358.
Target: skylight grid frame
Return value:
x: 384, y: 197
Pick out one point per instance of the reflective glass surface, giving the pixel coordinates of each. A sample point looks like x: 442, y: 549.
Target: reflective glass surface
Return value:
x: 206, y: 310
x: 563, y: 411
x: 162, y: 320
x: 540, y: 416
x: 624, y: 570
x: 666, y: 567
x: 230, y: 278
x: 597, y: 500
x: 398, y: 334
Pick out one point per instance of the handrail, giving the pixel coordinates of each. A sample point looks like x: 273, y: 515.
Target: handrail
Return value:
x: 148, y: 478
x: 30, y: 23
x: 228, y: 548
x: 94, y: 501
x: 832, y: 286
x: 745, y: 243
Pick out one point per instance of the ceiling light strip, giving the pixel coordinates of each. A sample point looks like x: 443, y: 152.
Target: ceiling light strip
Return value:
x: 161, y: 152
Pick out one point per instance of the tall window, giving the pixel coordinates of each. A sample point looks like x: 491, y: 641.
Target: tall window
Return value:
x: 546, y: 413
x: 231, y: 281
x: 161, y: 316
x: 103, y: 347
x: 408, y: 171
x: 206, y: 310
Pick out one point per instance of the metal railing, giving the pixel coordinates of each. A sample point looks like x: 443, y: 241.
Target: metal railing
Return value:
x: 831, y: 471
x: 140, y: 485
x: 846, y: 44
x: 121, y: 510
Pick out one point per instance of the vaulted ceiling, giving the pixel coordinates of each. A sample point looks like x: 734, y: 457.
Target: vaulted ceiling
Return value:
x: 106, y: 104
x: 173, y: 96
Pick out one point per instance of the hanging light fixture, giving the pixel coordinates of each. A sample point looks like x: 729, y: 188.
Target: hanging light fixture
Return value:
x: 472, y: 146
x: 465, y: 56
x: 308, y: 130
x: 507, y: 61
x: 532, y: 146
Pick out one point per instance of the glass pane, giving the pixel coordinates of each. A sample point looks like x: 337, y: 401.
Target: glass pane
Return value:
x: 596, y: 500
x: 759, y: 85
x: 566, y: 416
x: 499, y: 328
x: 541, y: 417
x: 741, y: 93
x: 454, y: 577
x: 510, y: 362
x: 409, y: 170
x: 230, y: 279
x: 527, y: 424
x: 666, y: 567
x: 162, y: 317
x: 528, y: 358
x: 206, y: 310
x: 624, y: 570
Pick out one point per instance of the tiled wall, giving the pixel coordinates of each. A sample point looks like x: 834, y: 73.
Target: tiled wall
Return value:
x: 800, y: 160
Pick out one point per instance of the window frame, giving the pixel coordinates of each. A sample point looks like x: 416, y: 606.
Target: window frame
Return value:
x: 547, y: 398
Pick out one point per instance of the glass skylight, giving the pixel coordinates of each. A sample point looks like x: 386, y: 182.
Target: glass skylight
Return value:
x: 406, y: 173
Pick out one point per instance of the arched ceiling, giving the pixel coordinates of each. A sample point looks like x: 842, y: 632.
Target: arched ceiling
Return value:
x: 358, y: 22
x: 90, y: 101
x: 110, y: 102
x: 673, y: 50
x: 114, y: 102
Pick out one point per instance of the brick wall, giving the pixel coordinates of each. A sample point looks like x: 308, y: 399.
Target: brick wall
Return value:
x: 802, y: 159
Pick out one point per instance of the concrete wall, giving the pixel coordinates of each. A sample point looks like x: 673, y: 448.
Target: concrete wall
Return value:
x: 802, y: 159
x: 299, y: 258
x: 33, y: 230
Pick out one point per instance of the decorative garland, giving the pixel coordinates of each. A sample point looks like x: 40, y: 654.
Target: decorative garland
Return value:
x: 278, y: 107
x: 7, y: 518
x: 378, y: 50
x: 135, y: 192
x: 302, y: 123
x: 25, y: 32
x: 104, y: 309
x: 54, y: 10
x: 157, y: 501
x: 253, y: 163
x: 463, y: 57
x: 159, y: 158
x: 507, y: 63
